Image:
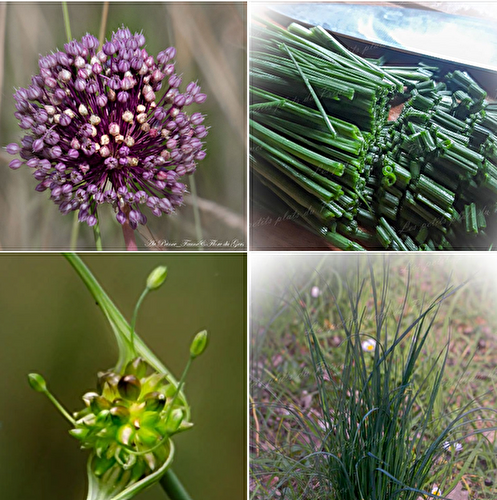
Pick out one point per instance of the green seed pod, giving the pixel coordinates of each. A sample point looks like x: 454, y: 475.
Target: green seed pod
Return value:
x: 149, y: 419
x: 79, y: 433
x: 119, y: 414
x: 99, y: 403
x: 129, y: 387
x: 125, y: 434
x: 199, y: 344
x: 120, y: 402
x: 104, y: 417
x: 137, y: 367
x: 148, y: 437
x: 37, y: 382
x: 88, y: 397
x: 108, y: 377
x: 174, y: 421
x: 154, y: 401
x: 156, y: 277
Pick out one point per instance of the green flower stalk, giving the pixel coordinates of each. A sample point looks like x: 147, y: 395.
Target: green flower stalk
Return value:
x: 129, y: 419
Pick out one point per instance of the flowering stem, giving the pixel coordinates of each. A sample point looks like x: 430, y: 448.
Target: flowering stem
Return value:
x: 196, y: 211
x: 103, y: 23
x: 173, y: 487
x: 135, y: 314
x: 180, y: 386
x: 74, y: 232
x: 96, y: 234
x: 67, y: 24
x: 128, y: 232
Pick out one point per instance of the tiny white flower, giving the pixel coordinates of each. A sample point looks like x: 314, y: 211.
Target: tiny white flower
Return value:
x: 368, y: 345
x: 452, y: 447
x: 315, y: 292
x: 434, y: 491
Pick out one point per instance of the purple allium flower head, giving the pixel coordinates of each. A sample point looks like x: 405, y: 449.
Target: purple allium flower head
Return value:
x: 109, y: 126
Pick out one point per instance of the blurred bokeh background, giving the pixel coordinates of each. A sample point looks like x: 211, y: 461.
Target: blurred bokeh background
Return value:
x: 51, y: 325
x: 210, y: 39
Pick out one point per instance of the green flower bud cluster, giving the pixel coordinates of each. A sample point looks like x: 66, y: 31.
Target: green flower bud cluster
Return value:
x: 127, y: 423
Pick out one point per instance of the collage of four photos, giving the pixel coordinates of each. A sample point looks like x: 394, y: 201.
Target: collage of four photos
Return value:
x: 222, y: 195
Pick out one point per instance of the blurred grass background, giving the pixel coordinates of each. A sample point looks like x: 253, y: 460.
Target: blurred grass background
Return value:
x: 210, y: 39
x: 52, y: 326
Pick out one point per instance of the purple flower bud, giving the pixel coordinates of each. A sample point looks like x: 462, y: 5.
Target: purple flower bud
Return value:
x: 86, y: 130
x: 63, y: 59
x: 89, y: 41
x: 92, y: 87
x: 39, y: 175
x: 64, y: 120
x: 174, y: 81
x: 102, y: 101
x: 91, y: 220
x: 80, y: 85
x: 160, y: 113
x: 200, y: 155
x: 41, y: 116
x: 56, y: 191
x: 109, y: 48
x: 50, y: 82
x: 115, y: 83
x: 165, y: 205
x: 201, y: 132
x: 179, y: 100
x: 13, y: 148
x: 83, y: 73
x: 111, y: 163
x: 134, y: 216
x: 38, y: 145
x: 180, y: 170
x: 168, y: 70
x: 123, y: 66
x: 15, y: 164
x: 200, y: 98
x: 56, y: 152
x: 122, y: 97
x: 73, y: 154
x: 140, y: 197
x: 34, y: 92
x: 121, y: 218
x: 52, y: 137
x: 196, y: 119
x: 124, y: 151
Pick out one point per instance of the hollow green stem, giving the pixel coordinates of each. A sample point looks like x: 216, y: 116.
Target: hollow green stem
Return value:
x: 173, y: 487
x: 96, y: 234
x: 59, y: 407
x: 180, y: 386
x: 74, y: 232
x: 67, y: 24
x: 135, y: 315
x: 196, y: 211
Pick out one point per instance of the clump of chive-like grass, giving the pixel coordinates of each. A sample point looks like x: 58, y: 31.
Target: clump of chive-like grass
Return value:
x: 379, y: 434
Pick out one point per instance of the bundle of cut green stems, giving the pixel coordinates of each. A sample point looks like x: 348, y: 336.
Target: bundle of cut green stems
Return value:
x: 322, y: 142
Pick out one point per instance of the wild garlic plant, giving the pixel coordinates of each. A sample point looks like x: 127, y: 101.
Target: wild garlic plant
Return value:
x: 107, y: 123
x: 376, y: 436
x: 128, y: 420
